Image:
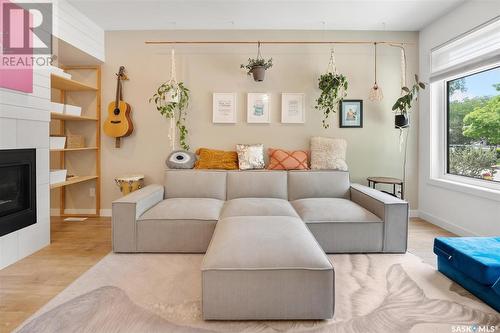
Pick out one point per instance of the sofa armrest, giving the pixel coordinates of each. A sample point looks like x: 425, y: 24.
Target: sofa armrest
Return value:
x: 125, y: 212
x: 393, y: 211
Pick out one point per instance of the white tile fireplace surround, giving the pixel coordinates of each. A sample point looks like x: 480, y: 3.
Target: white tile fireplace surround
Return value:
x: 24, y: 123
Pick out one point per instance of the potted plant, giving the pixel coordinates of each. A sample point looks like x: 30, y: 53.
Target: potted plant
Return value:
x: 171, y: 100
x: 257, y: 67
x: 403, y: 104
x: 333, y: 88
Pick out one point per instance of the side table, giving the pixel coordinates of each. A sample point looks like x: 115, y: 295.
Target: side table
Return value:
x: 372, y: 181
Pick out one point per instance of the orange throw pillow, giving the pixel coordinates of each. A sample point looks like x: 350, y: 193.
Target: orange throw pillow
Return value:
x: 280, y: 159
x: 216, y: 159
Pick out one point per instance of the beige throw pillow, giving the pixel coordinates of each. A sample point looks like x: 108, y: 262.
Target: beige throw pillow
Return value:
x: 250, y: 156
x: 328, y: 154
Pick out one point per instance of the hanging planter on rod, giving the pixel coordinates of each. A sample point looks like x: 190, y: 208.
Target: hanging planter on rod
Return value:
x: 333, y: 88
x: 376, y: 94
x: 258, y: 66
x: 171, y: 100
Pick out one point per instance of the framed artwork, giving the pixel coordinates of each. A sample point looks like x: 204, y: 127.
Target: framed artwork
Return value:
x: 224, y: 108
x: 293, y: 108
x: 351, y: 113
x: 258, y: 108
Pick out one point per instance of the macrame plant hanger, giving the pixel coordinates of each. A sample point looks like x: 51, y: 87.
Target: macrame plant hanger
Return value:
x: 332, y: 68
x: 172, y: 98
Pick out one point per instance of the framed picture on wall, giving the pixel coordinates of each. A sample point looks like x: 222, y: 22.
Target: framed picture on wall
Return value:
x: 258, y: 108
x: 293, y: 108
x: 351, y: 113
x: 224, y: 108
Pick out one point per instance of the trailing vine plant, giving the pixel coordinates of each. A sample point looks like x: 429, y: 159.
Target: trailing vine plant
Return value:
x: 333, y: 88
x: 171, y: 100
x: 403, y: 104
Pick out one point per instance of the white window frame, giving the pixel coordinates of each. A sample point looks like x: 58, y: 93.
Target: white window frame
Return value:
x: 439, y: 145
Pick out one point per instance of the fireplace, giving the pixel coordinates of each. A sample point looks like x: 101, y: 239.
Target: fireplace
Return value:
x: 17, y: 189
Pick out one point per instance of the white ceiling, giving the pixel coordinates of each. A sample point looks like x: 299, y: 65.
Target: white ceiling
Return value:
x: 396, y: 15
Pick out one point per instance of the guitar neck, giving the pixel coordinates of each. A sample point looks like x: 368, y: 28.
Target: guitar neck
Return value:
x: 118, y: 91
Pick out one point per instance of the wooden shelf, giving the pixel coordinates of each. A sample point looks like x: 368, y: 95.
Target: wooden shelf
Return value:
x: 61, y: 83
x: 73, y: 149
x: 73, y: 180
x: 62, y: 116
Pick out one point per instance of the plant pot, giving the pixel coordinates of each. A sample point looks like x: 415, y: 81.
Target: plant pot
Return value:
x: 258, y: 72
x: 401, y: 121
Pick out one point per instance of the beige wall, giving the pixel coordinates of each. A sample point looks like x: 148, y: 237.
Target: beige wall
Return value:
x: 372, y: 150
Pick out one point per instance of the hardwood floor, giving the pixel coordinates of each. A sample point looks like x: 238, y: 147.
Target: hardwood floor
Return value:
x: 30, y: 283
x: 76, y: 246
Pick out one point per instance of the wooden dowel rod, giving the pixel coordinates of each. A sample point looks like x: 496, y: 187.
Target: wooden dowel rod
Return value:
x: 277, y: 42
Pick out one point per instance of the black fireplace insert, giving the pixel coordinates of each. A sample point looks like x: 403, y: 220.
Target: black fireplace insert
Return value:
x: 17, y: 189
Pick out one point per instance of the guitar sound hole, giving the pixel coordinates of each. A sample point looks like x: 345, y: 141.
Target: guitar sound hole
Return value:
x: 116, y: 111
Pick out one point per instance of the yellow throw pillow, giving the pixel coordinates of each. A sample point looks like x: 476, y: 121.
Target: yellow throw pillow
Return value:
x: 216, y: 159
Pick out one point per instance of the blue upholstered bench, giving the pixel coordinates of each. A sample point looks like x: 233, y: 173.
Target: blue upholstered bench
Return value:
x: 472, y: 262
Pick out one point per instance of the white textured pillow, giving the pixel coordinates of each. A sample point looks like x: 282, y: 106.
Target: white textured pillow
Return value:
x: 328, y: 154
x: 250, y: 156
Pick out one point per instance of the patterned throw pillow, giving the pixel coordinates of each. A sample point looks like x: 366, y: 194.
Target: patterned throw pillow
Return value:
x: 181, y: 159
x: 250, y: 156
x: 328, y: 154
x: 287, y: 160
x: 216, y: 159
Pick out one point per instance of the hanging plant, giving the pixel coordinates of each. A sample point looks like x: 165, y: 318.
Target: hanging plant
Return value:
x: 258, y: 66
x: 333, y: 88
x: 403, y: 104
x: 171, y: 101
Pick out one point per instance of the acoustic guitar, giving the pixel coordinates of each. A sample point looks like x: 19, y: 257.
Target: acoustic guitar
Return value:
x: 118, y: 123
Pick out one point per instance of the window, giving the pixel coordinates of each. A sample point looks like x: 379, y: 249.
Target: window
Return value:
x: 473, y: 125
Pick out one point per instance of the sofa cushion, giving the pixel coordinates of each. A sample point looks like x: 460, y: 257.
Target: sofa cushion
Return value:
x: 216, y: 159
x: 257, y: 184
x: 257, y: 207
x: 178, y: 225
x: 195, y: 184
x: 319, y: 210
x: 318, y: 184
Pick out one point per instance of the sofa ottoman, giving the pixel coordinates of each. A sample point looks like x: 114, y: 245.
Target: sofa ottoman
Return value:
x: 266, y: 268
x: 472, y: 262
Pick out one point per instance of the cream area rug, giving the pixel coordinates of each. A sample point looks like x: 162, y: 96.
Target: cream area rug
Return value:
x: 376, y: 293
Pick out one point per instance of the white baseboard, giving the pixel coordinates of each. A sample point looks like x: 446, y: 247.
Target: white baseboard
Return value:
x: 414, y: 213
x: 103, y: 212
x: 446, y: 225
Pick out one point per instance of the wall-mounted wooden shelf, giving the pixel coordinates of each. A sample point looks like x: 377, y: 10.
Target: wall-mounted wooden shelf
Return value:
x: 73, y: 149
x: 62, y: 116
x: 66, y: 88
x: 61, y: 83
x: 73, y: 180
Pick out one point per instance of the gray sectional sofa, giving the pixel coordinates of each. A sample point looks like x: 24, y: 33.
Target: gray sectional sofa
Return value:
x: 265, y: 234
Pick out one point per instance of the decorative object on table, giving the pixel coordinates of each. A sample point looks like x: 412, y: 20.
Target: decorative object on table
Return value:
x: 118, y: 124
x: 472, y: 262
x: 403, y: 104
x: 171, y: 100
x: 75, y: 141
x: 351, y: 113
x: 130, y: 183
x: 328, y: 154
x: 216, y: 159
x: 333, y: 88
x: 224, y: 108
x: 250, y: 156
x: 376, y: 94
x: 181, y: 159
x: 280, y: 159
x: 373, y: 181
x: 258, y: 66
x: 258, y: 108
x: 293, y: 108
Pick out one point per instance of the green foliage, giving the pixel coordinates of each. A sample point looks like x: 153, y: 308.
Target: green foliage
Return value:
x: 471, y: 162
x: 497, y: 86
x: 258, y: 62
x: 457, y: 112
x: 333, y: 90
x: 403, y: 103
x: 484, y: 122
x: 177, y: 110
x: 457, y: 85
